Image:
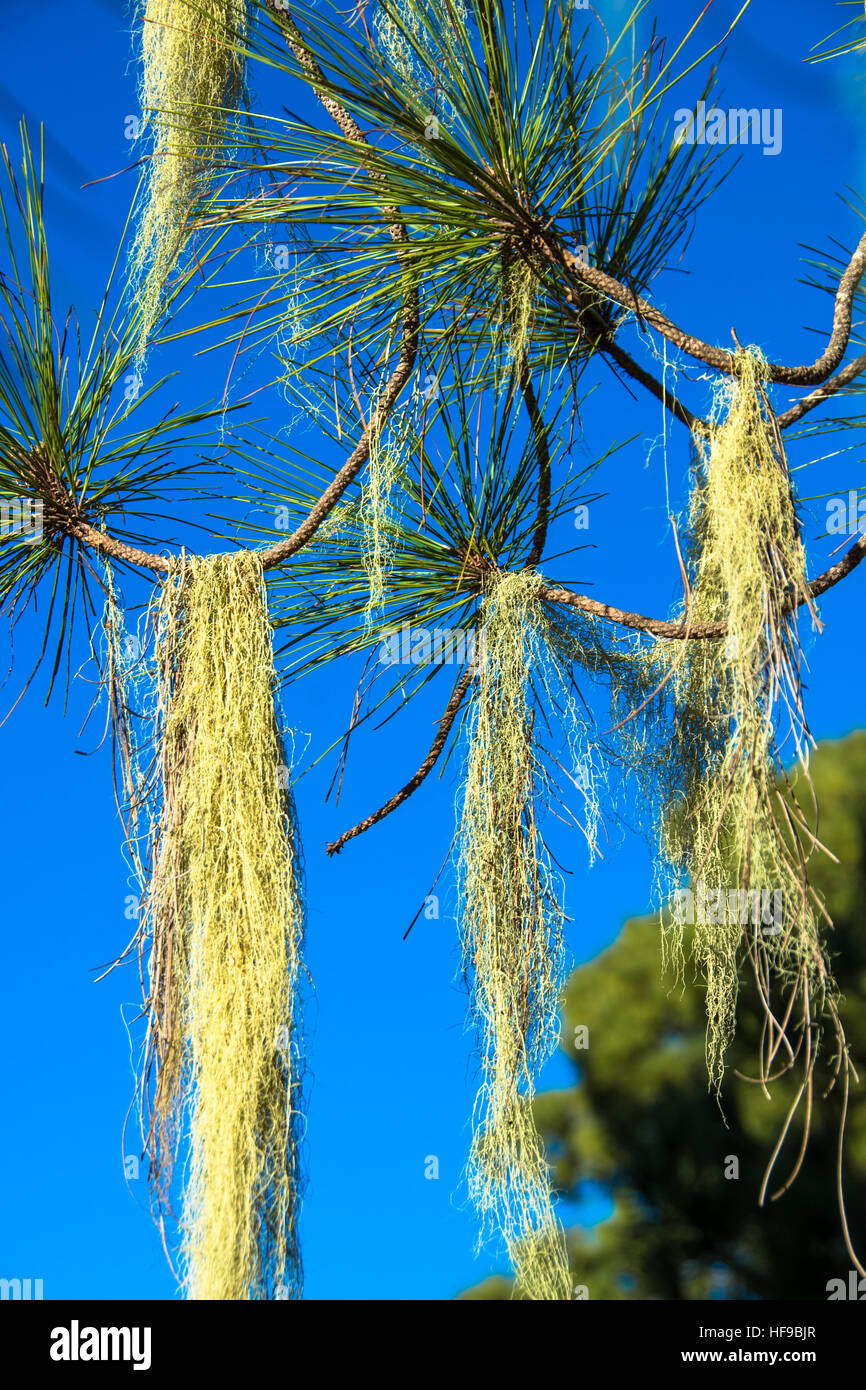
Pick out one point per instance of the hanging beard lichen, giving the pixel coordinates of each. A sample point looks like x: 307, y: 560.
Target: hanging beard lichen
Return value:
x: 224, y: 919
x: 735, y: 704
x: 520, y: 285
x: 384, y: 470
x: 421, y: 45
x: 191, y: 81
x: 511, y: 931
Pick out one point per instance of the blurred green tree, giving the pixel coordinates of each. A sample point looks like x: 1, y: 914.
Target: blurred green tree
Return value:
x: 640, y: 1121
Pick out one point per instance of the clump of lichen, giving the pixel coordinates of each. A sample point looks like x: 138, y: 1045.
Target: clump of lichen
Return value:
x: 704, y: 722
x: 192, y: 80
x: 511, y: 927
x: 222, y: 913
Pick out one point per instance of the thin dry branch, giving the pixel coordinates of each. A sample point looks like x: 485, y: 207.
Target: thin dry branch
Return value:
x: 680, y: 412
x: 542, y: 447
x: 445, y: 726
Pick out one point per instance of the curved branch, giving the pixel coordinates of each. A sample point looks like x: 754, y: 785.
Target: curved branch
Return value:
x: 359, y: 455
x: 411, y: 317
x: 118, y: 550
x: 75, y: 526
x: 429, y: 762
x: 63, y: 514
x: 606, y: 342
x: 850, y: 560
x: 848, y: 374
x: 660, y: 628
x: 811, y: 375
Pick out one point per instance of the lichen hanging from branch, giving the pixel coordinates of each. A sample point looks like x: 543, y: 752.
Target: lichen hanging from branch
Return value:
x: 379, y: 506
x: 511, y: 929
x: 223, y: 917
x: 734, y: 709
x: 191, y: 82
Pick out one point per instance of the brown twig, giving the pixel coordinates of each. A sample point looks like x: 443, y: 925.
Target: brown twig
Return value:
x: 611, y: 349
x: 445, y: 726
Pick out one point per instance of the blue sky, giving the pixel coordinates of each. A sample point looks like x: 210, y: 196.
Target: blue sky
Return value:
x: 391, y: 1066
